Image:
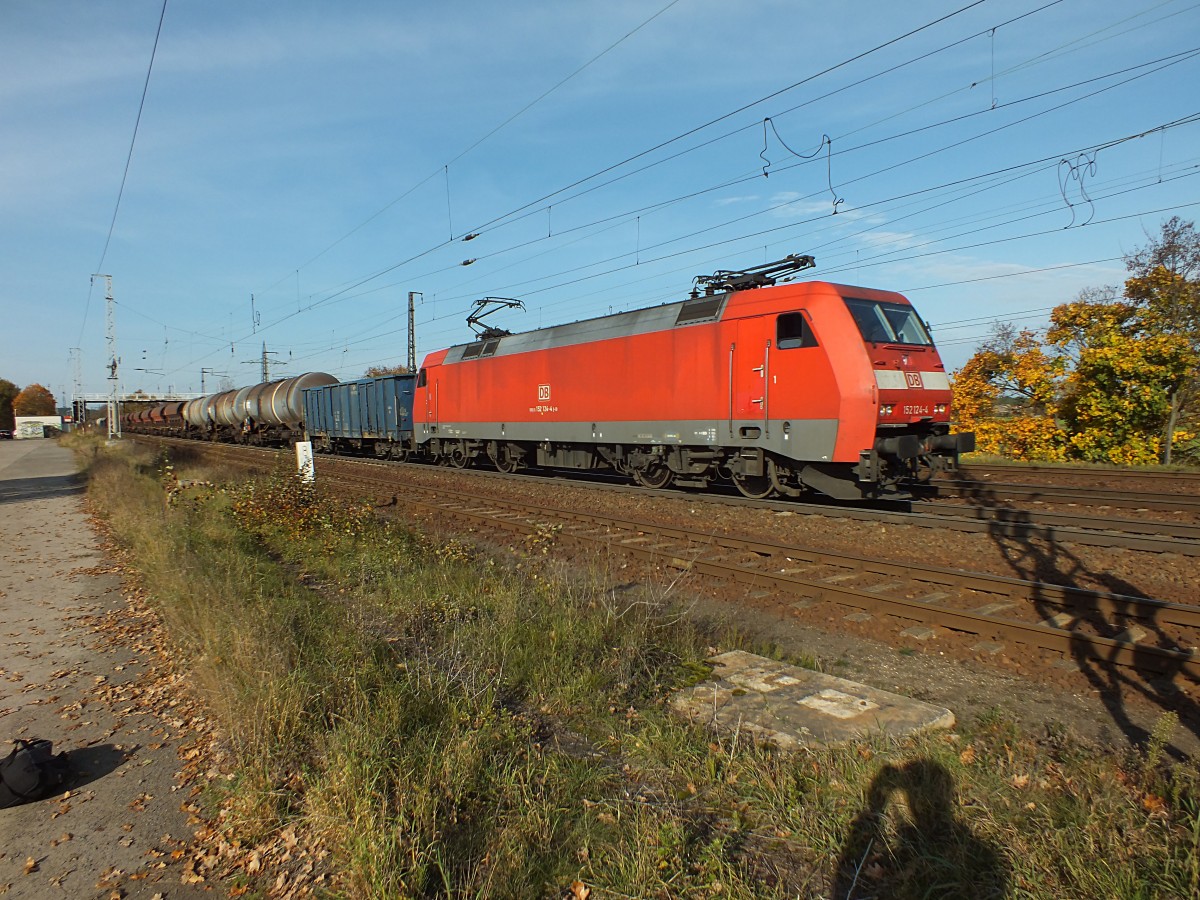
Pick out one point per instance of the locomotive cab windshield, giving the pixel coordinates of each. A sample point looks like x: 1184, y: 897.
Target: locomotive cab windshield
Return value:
x: 888, y: 323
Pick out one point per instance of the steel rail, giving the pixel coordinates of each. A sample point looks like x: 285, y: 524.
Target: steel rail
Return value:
x: 1022, y: 525
x: 1174, y: 536
x: 970, y: 470
x: 525, y: 519
x: 1058, y: 595
x: 1053, y: 493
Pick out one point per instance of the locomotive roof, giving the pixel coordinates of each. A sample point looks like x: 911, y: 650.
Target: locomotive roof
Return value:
x: 682, y: 313
x: 615, y: 325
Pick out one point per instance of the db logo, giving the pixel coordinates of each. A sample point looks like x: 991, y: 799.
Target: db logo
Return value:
x: 543, y: 393
x: 913, y: 379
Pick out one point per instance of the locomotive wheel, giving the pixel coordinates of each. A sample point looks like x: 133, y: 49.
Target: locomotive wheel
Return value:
x: 507, y: 464
x: 653, y: 476
x: 459, y: 459
x: 756, y: 487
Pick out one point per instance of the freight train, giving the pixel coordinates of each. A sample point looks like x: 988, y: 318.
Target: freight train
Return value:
x: 778, y: 389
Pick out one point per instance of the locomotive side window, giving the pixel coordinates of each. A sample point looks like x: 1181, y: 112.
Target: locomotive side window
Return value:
x: 792, y: 330
x: 421, y: 378
x: 888, y: 323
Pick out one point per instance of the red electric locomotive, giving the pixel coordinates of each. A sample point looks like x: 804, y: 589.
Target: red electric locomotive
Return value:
x: 781, y: 389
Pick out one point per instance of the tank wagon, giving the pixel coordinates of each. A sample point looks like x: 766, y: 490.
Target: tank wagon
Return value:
x: 779, y: 389
x: 267, y: 414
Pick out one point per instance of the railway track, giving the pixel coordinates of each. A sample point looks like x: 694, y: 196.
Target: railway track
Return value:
x: 1002, y: 492
x: 1082, y: 625
x: 1099, y: 529
x: 1186, y: 481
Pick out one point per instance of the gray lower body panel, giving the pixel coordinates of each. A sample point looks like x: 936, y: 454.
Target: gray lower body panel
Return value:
x: 804, y: 439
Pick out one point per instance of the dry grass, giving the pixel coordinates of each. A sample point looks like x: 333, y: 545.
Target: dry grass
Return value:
x: 449, y: 729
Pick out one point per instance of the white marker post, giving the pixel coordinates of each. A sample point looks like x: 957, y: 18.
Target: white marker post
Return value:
x: 305, y: 467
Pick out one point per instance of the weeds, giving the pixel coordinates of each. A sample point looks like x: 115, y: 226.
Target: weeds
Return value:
x: 445, y: 728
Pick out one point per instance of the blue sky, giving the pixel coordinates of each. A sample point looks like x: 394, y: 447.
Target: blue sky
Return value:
x: 328, y: 158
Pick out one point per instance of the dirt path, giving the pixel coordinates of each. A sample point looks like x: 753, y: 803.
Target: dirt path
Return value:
x: 77, y: 667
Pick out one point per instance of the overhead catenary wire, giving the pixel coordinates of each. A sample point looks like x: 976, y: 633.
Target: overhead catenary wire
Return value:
x: 1165, y: 61
x: 1053, y: 157
x: 475, y: 230
x: 125, y: 173
x: 445, y: 169
x: 392, y: 268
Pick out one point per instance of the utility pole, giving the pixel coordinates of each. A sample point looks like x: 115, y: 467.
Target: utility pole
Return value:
x: 264, y: 363
x: 110, y: 323
x: 412, y: 332
x: 77, y: 418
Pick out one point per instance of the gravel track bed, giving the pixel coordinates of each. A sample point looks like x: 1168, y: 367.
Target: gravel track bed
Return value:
x: 1109, y: 704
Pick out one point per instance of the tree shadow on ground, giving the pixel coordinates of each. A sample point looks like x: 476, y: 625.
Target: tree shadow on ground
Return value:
x: 1034, y: 555
x: 906, y: 842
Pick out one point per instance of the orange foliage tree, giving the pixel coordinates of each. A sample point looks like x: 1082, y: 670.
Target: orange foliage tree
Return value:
x: 1118, y: 399
x: 35, y: 400
x: 1007, y: 393
x: 1113, y: 379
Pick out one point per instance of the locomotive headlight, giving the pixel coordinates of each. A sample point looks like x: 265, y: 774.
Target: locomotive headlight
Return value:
x: 940, y: 409
x: 885, y: 409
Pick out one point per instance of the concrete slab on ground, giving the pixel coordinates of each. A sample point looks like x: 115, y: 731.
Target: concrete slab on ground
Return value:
x: 794, y: 707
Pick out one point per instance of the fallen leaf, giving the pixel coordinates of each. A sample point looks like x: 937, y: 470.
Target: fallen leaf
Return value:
x: 580, y: 891
x: 967, y: 757
x: 1153, y: 804
x: 31, y: 865
x: 1020, y: 781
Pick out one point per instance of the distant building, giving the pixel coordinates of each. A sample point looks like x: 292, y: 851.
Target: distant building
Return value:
x: 37, y: 426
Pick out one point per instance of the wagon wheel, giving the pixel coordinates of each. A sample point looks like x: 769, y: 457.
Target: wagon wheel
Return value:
x: 507, y: 463
x: 756, y: 487
x: 653, y: 476
x: 925, y: 470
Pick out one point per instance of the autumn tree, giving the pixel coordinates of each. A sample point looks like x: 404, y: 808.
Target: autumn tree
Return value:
x: 8, y: 393
x: 1007, y: 394
x: 1165, y: 287
x: 35, y: 400
x: 379, y: 371
x: 1117, y: 401
x: 1115, y: 376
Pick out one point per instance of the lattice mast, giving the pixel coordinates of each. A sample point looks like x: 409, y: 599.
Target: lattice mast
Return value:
x: 412, y: 331
x: 113, y: 413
